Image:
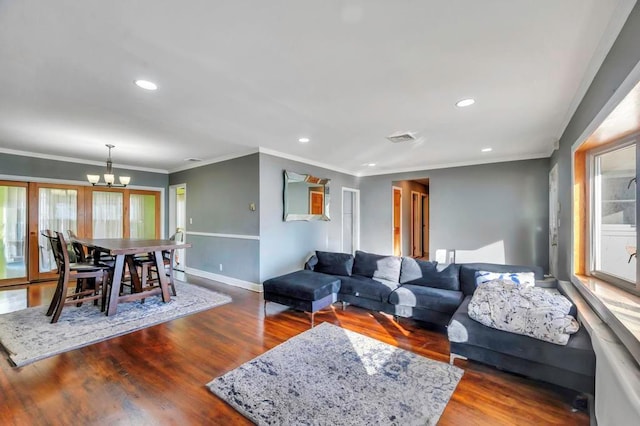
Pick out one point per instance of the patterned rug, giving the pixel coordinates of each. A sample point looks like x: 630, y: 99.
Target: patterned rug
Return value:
x: 28, y: 336
x: 329, y: 375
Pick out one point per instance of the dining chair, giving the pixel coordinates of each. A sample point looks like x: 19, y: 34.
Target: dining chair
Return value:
x: 89, y: 278
x: 147, y: 265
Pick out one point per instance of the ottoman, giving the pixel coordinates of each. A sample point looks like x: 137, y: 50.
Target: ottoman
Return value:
x: 306, y: 291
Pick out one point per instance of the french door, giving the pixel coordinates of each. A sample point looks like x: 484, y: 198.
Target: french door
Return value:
x: 13, y: 232
x: 27, y: 209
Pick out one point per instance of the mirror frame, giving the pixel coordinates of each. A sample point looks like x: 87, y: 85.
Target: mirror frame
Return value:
x: 292, y: 177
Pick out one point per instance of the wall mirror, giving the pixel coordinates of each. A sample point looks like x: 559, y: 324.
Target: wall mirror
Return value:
x: 306, y: 197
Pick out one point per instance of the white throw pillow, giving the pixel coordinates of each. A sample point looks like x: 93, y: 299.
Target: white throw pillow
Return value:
x: 525, y: 279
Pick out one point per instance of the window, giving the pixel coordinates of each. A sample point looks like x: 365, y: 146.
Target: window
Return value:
x: 107, y: 214
x: 612, y: 219
x: 13, y: 231
x: 58, y: 212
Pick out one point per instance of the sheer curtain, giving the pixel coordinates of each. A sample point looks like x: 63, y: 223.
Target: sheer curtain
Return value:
x: 107, y: 214
x: 57, y: 211
x: 142, y: 216
x: 13, y: 201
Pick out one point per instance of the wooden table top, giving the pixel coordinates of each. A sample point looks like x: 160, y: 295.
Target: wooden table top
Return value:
x: 116, y: 246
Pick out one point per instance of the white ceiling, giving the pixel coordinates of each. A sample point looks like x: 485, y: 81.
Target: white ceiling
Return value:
x: 235, y: 76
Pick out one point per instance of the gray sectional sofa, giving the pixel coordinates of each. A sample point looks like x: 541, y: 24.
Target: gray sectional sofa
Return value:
x: 438, y: 294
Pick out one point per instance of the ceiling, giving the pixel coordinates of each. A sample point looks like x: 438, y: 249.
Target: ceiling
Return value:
x: 238, y: 76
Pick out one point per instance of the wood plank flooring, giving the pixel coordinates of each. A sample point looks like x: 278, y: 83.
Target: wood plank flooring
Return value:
x: 158, y: 375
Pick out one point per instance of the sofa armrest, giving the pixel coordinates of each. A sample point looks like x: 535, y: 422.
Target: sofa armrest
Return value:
x: 311, y: 263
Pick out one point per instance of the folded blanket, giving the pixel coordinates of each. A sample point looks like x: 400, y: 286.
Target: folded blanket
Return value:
x: 531, y: 311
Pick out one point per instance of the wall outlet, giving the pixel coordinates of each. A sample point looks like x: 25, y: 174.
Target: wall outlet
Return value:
x: 190, y: 221
x: 221, y: 267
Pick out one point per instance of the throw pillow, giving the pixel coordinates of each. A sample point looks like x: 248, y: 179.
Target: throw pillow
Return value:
x: 334, y: 263
x: 377, y: 266
x: 526, y: 279
x: 429, y: 274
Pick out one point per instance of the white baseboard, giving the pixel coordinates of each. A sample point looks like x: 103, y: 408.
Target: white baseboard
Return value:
x: 224, y: 279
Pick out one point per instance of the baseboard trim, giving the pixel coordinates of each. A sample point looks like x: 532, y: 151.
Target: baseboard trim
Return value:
x: 248, y: 285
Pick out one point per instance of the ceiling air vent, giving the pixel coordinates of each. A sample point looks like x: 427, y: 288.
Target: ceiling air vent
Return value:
x: 193, y: 160
x: 402, y: 137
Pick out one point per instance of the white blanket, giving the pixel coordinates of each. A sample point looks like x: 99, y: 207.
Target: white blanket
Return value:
x: 531, y: 311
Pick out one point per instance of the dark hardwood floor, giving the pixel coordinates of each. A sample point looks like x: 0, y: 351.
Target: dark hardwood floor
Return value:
x: 158, y: 375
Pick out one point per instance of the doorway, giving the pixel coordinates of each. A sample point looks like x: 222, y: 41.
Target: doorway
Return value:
x: 396, y: 232
x: 178, y: 220
x: 350, y: 220
x: 419, y: 224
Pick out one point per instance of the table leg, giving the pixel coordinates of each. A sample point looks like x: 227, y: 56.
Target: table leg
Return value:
x: 133, y: 273
x: 162, y: 276
x: 115, y: 284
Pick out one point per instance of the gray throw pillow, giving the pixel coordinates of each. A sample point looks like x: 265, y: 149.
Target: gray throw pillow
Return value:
x: 334, y: 263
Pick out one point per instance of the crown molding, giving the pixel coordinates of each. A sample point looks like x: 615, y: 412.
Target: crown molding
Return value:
x: 306, y: 161
x: 79, y: 160
x: 457, y: 164
x: 617, y: 21
x: 214, y: 160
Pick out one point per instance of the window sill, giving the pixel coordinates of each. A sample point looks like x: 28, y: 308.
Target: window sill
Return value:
x: 619, y: 309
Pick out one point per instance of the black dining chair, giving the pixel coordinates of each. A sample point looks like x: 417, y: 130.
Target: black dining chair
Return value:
x: 90, y: 279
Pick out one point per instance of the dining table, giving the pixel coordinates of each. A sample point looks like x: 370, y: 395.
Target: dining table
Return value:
x: 124, y: 250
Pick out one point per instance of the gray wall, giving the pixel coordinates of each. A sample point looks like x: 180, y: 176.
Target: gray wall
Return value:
x: 284, y: 246
x: 19, y: 165
x: 470, y: 208
x: 218, y: 199
x: 620, y: 61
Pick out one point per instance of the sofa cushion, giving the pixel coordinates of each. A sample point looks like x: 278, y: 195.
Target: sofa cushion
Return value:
x: 576, y: 356
x: 369, y: 288
x: 377, y: 266
x: 334, y: 263
x: 430, y: 274
x: 303, y: 285
x: 468, y: 273
x: 415, y: 271
x: 435, y: 299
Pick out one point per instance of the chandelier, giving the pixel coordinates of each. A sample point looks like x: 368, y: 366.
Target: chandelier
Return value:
x: 109, y: 177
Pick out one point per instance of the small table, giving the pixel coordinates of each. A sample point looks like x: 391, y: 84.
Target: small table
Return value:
x: 123, y: 249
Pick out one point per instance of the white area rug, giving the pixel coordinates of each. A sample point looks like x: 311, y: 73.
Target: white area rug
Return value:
x: 28, y: 336
x: 332, y: 376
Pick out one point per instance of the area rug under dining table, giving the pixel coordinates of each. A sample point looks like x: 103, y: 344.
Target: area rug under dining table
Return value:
x: 28, y: 336
x: 332, y: 376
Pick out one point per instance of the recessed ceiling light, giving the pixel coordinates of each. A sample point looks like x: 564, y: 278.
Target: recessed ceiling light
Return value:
x: 145, y: 84
x: 304, y: 140
x: 487, y: 149
x: 371, y: 164
x: 465, y: 102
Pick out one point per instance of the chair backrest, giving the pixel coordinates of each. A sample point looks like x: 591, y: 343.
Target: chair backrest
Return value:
x: 177, y: 236
x: 78, y: 248
x: 61, y: 253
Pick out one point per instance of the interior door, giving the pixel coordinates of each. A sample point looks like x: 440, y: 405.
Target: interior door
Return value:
x: 416, y: 225
x: 397, y: 213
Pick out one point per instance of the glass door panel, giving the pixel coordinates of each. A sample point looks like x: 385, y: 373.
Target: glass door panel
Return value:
x: 13, y: 230
x: 58, y: 212
x: 107, y: 214
x: 142, y: 216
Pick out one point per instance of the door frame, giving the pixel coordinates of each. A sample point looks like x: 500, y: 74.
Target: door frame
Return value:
x: 173, y: 217
x: 356, y: 218
x: 393, y: 190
